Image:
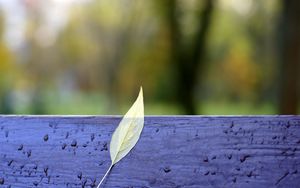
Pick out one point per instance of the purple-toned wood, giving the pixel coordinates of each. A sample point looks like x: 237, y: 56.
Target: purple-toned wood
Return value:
x: 173, y: 151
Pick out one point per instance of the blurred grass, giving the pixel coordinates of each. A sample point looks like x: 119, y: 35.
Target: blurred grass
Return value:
x: 214, y: 108
x: 240, y: 108
x: 78, y: 104
x: 94, y: 104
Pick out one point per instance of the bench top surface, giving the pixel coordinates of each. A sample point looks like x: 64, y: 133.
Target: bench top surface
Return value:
x: 173, y: 151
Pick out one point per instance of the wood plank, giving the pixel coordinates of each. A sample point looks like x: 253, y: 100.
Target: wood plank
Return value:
x: 173, y: 151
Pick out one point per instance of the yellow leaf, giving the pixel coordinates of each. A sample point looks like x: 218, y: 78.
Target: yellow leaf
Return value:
x: 127, y: 133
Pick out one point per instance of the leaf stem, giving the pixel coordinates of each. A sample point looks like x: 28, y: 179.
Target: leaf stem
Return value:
x: 105, y: 175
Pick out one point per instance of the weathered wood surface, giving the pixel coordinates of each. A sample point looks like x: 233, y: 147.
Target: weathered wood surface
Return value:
x: 179, y: 151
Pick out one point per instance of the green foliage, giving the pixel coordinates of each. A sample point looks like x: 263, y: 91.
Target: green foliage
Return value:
x: 107, y: 49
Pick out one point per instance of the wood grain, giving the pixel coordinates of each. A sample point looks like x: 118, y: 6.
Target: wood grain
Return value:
x: 173, y: 151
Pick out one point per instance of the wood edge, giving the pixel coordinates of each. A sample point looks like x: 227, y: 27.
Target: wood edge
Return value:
x: 147, y: 116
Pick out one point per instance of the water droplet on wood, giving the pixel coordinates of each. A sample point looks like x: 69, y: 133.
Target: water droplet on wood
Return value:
x: 74, y: 143
x: 64, y: 146
x: 104, y: 147
x: 232, y: 125
x: 46, y: 170
x: 46, y: 137
x: 67, y: 135
x: 79, y: 175
x: 20, y: 147
x: 92, y: 137
x: 229, y: 156
x: 167, y: 169
x: 205, y: 159
x: 234, y: 180
x: 35, y: 183
x: 244, y: 157
x: 28, y: 153
x: 249, y: 174
x: 10, y: 162
x: 1, y: 181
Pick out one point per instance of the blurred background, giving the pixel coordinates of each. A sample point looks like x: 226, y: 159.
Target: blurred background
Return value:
x: 190, y: 56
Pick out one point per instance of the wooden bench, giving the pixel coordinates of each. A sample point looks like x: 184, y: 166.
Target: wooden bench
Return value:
x: 173, y: 151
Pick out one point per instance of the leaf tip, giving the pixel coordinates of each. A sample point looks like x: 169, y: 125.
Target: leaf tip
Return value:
x: 141, y: 90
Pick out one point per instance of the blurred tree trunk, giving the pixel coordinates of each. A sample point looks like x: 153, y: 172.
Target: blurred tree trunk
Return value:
x: 290, y: 57
x: 188, y: 59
